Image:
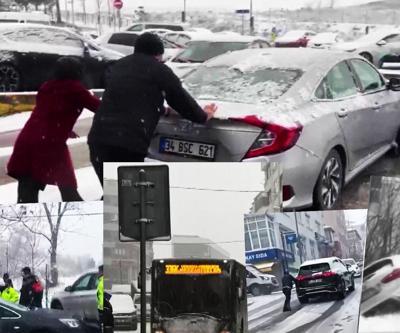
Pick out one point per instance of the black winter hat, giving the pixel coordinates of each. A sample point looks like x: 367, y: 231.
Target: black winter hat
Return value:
x: 149, y: 44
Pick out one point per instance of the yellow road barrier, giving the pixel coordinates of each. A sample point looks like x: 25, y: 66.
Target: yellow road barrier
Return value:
x: 11, y: 103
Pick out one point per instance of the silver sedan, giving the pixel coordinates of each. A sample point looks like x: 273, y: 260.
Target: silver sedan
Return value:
x: 323, y: 115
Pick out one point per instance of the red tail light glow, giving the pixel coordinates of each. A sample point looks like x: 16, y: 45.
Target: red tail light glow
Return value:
x: 328, y: 274
x: 392, y: 276
x: 273, y: 140
x: 300, y: 278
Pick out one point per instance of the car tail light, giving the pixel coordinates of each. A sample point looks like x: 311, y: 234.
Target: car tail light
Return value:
x: 273, y: 139
x: 328, y: 274
x: 287, y: 192
x: 395, y: 274
x: 300, y: 278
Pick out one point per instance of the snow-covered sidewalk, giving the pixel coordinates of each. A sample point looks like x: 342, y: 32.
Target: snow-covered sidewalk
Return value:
x: 88, y: 186
x: 379, y: 324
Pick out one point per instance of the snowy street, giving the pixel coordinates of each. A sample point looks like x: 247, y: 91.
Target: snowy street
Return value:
x: 265, y: 314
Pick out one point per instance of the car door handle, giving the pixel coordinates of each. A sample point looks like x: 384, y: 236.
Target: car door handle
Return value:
x: 343, y: 113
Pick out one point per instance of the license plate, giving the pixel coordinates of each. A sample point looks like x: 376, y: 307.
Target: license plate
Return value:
x: 188, y: 148
x: 315, y: 281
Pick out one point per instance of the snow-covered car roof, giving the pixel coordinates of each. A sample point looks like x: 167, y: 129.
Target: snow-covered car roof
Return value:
x: 215, y: 37
x: 319, y: 261
x: 122, y: 304
x: 8, y: 26
x: 296, y: 58
x: 297, y: 32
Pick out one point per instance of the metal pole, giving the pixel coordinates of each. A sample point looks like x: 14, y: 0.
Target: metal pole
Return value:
x: 142, y: 221
x: 299, y: 239
x: 285, y: 263
x: 251, y: 18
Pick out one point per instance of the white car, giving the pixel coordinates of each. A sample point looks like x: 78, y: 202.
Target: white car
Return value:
x: 124, y: 312
x: 182, y: 38
x: 353, y: 267
x: 381, y: 287
x: 206, y: 46
x: 259, y: 283
x: 139, y: 27
x: 324, y: 40
x: 374, y: 46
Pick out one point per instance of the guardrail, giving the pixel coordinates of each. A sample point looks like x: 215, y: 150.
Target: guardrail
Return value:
x: 16, y: 102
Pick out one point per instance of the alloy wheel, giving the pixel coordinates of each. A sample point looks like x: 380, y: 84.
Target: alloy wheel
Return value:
x: 331, y: 182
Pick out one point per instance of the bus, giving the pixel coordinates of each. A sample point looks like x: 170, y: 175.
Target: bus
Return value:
x: 198, y: 295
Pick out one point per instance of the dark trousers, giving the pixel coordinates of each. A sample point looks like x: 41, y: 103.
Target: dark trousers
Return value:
x: 28, y: 191
x: 100, y: 154
x: 288, y: 293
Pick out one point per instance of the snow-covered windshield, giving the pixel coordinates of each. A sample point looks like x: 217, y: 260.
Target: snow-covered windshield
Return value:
x: 201, y: 51
x: 229, y: 84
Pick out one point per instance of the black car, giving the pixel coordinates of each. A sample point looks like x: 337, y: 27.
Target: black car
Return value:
x: 326, y: 276
x: 15, y: 318
x: 28, y: 53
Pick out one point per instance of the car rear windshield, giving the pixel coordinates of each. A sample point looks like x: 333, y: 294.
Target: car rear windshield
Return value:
x: 377, y: 266
x: 203, y: 51
x: 315, y: 268
x: 230, y: 84
x: 123, y: 39
x: 349, y: 261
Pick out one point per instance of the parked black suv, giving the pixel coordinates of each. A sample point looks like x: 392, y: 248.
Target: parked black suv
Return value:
x: 324, y: 276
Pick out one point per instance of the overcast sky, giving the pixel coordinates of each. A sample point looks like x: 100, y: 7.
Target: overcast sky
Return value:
x: 356, y: 216
x: 217, y: 216
x: 224, y: 5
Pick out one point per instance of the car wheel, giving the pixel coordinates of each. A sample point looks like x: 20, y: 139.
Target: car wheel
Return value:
x: 267, y: 290
x: 10, y: 78
x: 56, y: 305
x: 303, y: 299
x: 341, y: 293
x: 329, y: 185
x: 352, y: 286
x: 255, y: 290
x: 367, y: 56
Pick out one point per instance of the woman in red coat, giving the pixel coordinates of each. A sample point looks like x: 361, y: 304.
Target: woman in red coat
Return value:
x: 41, y: 156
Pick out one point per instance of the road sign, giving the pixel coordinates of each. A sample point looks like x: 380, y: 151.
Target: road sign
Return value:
x: 154, y: 192
x: 118, y: 4
x: 242, y: 11
x: 291, y: 238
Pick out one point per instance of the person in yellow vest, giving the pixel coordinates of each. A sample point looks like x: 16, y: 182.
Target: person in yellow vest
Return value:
x: 9, y: 294
x: 100, y: 291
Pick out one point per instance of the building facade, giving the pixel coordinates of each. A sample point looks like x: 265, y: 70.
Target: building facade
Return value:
x: 184, y: 246
x: 355, y: 242
x: 121, y: 259
x: 270, y: 200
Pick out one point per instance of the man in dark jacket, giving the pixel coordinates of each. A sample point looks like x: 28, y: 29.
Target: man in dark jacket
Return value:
x: 287, y: 285
x: 133, y: 103
x: 31, y: 293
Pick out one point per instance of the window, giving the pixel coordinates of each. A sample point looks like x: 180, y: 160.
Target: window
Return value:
x: 83, y: 283
x: 392, y: 38
x: 339, y: 83
x: 136, y: 27
x: 370, y: 79
x: 123, y: 39
x: 183, y: 40
x: 259, y: 234
x: 6, y: 314
x: 171, y: 37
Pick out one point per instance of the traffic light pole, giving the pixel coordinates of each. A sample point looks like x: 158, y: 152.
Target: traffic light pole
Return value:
x: 143, y: 220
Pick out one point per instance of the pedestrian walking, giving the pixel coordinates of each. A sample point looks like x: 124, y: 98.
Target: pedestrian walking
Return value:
x: 9, y: 294
x: 287, y: 285
x: 32, y: 290
x: 133, y: 102
x: 40, y: 156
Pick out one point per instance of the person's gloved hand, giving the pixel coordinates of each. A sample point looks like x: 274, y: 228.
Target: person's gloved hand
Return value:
x: 210, y: 109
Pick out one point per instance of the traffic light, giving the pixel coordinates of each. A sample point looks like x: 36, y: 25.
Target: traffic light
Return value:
x: 143, y: 197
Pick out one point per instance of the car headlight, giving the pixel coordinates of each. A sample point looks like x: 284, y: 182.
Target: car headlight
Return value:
x: 72, y: 323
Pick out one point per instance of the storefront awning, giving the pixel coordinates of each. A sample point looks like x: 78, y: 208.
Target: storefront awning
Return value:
x: 266, y: 268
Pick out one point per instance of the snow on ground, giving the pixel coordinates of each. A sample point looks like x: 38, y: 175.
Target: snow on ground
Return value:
x: 7, y: 151
x: 88, y: 186
x: 17, y: 121
x: 378, y: 324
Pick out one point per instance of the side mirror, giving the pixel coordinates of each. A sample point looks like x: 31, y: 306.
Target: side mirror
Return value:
x: 394, y: 84
x: 381, y: 43
x: 68, y: 289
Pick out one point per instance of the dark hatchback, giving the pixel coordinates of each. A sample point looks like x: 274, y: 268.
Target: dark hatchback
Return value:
x: 28, y: 53
x: 15, y: 318
x: 327, y: 276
